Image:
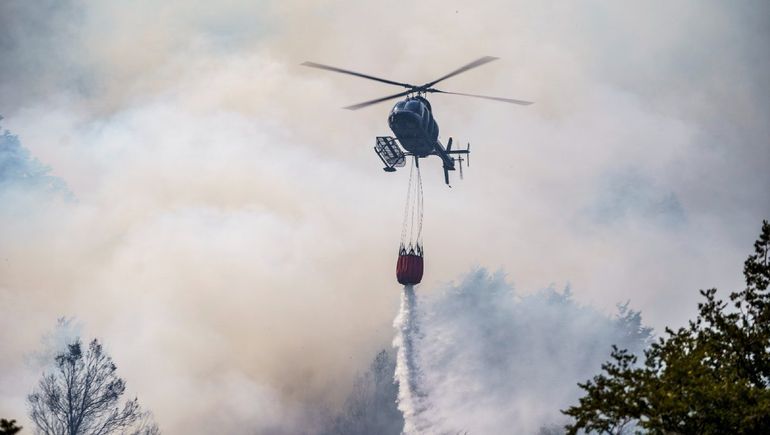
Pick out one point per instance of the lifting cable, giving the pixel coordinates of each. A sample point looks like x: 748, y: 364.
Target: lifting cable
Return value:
x: 413, y: 213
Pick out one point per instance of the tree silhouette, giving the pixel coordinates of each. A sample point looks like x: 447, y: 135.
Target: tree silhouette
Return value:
x: 8, y: 427
x: 710, y: 377
x: 371, y: 407
x: 81, y: 396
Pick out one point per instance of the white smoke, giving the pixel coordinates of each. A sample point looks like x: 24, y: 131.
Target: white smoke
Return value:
x: 55, y: 342
x: 228, y: 215
x: 486, y: 360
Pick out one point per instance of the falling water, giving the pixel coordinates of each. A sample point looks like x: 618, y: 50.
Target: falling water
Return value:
x: 410, y: 398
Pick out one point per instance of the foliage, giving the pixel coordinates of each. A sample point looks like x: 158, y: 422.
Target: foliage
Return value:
x: 371, y: 406
x: 710, y: 377
x: 82, y: 396
x: 19, y: 167
x: 8, y: 427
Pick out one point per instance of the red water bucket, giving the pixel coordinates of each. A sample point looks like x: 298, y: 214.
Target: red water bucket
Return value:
x: 409, y: 266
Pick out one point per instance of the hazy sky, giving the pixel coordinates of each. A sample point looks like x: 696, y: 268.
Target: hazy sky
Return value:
x: 230, y: 234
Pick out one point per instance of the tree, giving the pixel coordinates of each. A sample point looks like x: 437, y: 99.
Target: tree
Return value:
x: 81, y: 396
x: 371, y: 407
x: 145, y: 425
x: 20, y: 169
x: 8, y: 427
x: 710, y: 377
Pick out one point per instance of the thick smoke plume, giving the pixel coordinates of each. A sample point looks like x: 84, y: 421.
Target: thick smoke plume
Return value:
x: 228, y: 215
x: 487, y: 360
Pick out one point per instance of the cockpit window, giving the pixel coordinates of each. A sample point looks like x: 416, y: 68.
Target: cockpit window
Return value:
x: 415, y: 106
x: 399, y: 106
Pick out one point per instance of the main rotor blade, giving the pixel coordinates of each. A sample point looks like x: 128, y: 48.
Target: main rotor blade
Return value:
x: 379, y: 100
x: 353, y: 73
x: 474, y: 64
x: 505, y: 100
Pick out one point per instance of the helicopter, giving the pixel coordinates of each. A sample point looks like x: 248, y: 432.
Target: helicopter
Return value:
x: 413, y: 123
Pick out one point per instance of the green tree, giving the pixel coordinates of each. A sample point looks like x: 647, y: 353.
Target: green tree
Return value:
x: 8, y: 427
x: 710, y: 377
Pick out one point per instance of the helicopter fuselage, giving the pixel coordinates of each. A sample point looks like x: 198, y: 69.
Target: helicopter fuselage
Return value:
x: 415, y: 127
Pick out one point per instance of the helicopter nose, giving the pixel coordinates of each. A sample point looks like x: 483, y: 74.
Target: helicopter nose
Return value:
x: 404, y: 119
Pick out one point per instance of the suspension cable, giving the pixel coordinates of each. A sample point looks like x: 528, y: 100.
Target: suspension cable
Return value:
x: 419, y: 207
x: 413, y: 212
x: 406, y: 206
